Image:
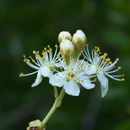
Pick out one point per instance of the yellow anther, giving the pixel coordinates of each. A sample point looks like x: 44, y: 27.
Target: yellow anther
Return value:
x: 95, y: 54
x: 123, y: 74
x: 70, y: 65
x: 82, y: 80
x: 87, y: 61
x: 87, y: 45
x: 56, y: 45
x: 34, y: 52
x: 117, y: 59
x: 21, y: 74
x: 28, y: 60
x: 48, y: 46
x: 45, y: 48
x: 24, y: 56
x: 84, y: 67
x: 110, y: 62
x: 123, y: 79
x: 79, y: 68
x: 105, y: 54
x: 24, y: 60
x: 50, y: 49
x: 70, y: 53
x: 81, y: 52
x: 119, y: 67
x: 89, y: 66
x: 79, y: 63
x: 104, y: 63
x: 33, y: 60
x: 57, y: 74
x: 45, y: 53
x: 98, y: 49
x: 108, y: 59
x: 72, y: 69
x: 102, y: 56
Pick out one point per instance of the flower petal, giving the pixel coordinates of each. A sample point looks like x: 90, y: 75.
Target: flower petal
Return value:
x: 90, y: 69
x: 46, y: 72
x: 104, y: 83
x: 37, y: 80
x: 86, y: 83
x: 72, y: 88
x: 57, y: 80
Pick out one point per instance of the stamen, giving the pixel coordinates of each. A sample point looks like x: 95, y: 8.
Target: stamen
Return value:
x: 89, y: 66
x: 82, y: 80
x: 21, y: 74
x: 24, y: 56
x: 48, y: 46
x: 56, y: 46
x: 34, y: 52
x: 119, y: 67
x: 87, y: 45
x: 117, y: 59
x: 123, y: 74
x: 123, y: 79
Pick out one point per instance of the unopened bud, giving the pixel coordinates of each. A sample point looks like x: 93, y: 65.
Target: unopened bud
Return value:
x: 79, y: 38
x: 64, y: 35
x: 34, y: 125
x: 66, y: 46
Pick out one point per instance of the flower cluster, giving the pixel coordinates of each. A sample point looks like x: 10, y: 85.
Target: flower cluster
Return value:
x: 67, y: 69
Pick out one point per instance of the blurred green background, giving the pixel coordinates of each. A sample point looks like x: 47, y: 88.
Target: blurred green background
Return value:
x: 27, y: 25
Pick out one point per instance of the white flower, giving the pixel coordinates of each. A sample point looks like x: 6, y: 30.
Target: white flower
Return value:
x: 79, y: 37
x: 103, y: 67
x: 64, y: 35
x: 71, y: 78
x: 66, y: 46
x: 43, y: 65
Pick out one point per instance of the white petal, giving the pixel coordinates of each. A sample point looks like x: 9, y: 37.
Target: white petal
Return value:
x: 57, y: 80
x: 104, y: 83
x: 72, y: 88
x: 46, y: 72
x: 37, y: 80
x: 86, y: 83
x: 90, y: 70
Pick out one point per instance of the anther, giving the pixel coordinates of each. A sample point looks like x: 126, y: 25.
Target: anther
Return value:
x: 48, y: 46
x: 21, y: 74
x: 56, y: 46
x: 34, y: 52
x: 117, y: 59
x: 123, y: 79
x: 123, y: 74
x: 89, y: 66
x: 119, y: 67
x: 87, y: 45
x: 82, y: 80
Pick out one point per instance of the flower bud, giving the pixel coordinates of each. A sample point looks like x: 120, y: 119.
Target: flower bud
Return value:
x: 79, y: 38
x: 34, y: 125
x: 66, y: 46
x: 64, y: 35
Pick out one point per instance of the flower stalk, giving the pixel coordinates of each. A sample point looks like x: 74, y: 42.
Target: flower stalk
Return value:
x: 56, y: 104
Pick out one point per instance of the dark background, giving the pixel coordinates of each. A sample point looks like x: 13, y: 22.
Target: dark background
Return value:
x: 27, y: 25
